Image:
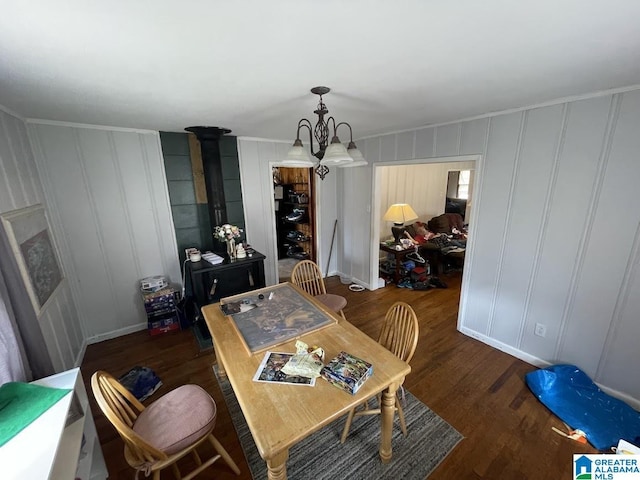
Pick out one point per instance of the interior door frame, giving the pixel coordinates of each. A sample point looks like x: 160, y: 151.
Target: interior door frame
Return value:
x: 376, y: 213
x: 313, y: 200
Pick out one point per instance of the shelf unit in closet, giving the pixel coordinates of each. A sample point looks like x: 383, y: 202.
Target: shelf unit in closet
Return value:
x: 296, y: 195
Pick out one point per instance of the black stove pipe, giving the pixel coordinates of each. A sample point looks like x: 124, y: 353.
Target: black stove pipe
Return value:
x: 212, y: 167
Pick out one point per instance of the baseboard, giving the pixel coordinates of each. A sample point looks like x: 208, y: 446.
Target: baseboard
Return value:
x: 514, y: 352
x: 366, y: 285
x: 540, y: 363
x: 116, y: 333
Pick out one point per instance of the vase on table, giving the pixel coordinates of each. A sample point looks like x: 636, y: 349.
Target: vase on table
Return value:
x: 231, y: 248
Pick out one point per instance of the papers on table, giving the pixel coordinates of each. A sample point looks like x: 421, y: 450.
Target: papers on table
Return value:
x: 307, y: 362
x: 270, y: 371
x: 212, y: 258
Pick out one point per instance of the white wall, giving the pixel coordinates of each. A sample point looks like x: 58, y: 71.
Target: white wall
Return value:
x: 256, y: 158
x: 107, y: 191
x: 354, y: 217
x: 555, y: 234
x: 20, y: 187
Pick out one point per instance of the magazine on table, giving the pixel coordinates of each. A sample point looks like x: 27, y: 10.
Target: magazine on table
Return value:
x: 270, y: 371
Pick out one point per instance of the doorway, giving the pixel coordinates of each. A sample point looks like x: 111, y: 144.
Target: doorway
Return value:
x: 422, y: 184
x: 294, y: 217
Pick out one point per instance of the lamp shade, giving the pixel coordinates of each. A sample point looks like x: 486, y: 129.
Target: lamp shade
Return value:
x: 297, y: 157
x: 336, y: 154
x: 356, y: 155
x: 400, y: 213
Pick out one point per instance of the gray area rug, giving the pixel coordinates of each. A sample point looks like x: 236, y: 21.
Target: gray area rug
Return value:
x: 321, y: 456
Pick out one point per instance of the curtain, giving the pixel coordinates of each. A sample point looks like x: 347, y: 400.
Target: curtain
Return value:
x: 12, y: 356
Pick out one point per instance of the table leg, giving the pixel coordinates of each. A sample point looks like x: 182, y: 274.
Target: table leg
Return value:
x: 396, y: 276
x: 386, y: 420
x: 221, y: 370
x: 277, y: 466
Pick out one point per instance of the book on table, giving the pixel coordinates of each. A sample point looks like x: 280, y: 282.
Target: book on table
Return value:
x: 347, y: 372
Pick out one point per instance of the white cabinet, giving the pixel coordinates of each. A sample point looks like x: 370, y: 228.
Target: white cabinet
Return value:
x: 47, y: 449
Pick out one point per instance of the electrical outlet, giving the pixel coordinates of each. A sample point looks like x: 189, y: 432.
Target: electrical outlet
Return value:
x: 540, y: 330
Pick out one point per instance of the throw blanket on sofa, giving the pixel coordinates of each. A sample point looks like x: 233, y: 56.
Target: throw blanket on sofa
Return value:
x: 448, y: 245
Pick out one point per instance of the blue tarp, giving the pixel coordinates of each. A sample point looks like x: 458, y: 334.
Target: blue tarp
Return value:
x: 570, y: 394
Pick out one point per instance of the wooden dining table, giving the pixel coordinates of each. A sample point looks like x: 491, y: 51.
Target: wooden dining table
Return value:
x: 281, y: 415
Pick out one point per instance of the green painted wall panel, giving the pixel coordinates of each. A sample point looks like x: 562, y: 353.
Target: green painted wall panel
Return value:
x: 192, y: 224
x: 235, y: 213
x: 232, y: 191
x: 182, y: 192
x: 187, y: 238
x: 174, y: 143
x: 229, y: 146
x: 230, y: 168
x: 185, y: 216
x: 178, y: 167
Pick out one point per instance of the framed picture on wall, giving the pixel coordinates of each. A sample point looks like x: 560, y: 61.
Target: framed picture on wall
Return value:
x: 32, y: 244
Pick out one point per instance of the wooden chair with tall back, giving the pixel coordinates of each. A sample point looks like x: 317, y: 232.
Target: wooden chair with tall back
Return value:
x: 157, y: 436
x: 399, y: 335
x: 306, y: 275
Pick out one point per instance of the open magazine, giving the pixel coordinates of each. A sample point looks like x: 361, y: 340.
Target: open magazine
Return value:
x: 270, y: 371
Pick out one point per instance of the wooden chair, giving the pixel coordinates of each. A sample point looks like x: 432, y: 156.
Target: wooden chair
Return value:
x: 306, y: 275
x: 157, y: 436
x: 399, y: 335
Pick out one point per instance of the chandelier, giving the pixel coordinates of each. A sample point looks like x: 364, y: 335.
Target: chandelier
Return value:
x: 328, y: 154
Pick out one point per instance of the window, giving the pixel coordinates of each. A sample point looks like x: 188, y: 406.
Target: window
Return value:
x: 463, y: 184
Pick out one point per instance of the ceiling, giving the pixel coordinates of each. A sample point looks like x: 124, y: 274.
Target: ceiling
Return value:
x: 249, y: 65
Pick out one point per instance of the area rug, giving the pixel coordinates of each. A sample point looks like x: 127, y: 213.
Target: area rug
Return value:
x: 322, y: 456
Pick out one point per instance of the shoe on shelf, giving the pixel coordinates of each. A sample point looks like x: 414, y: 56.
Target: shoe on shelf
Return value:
x: 295, y: 251
x: 301, y: 237
x: 297, y: 215
x: 297, y: 236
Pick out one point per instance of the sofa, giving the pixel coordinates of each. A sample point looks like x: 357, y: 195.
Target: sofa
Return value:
x: 447, y: 248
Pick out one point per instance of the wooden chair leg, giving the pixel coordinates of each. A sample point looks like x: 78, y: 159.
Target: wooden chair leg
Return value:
x: 224, y: 454
x: 347, y: 425
x: 342, y: 314
x: 403, y: 425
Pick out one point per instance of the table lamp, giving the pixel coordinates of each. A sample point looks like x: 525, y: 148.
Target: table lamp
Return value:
x: 399, y: 213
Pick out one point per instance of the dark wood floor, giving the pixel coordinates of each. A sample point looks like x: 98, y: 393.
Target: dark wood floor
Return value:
x: 477, y: 389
